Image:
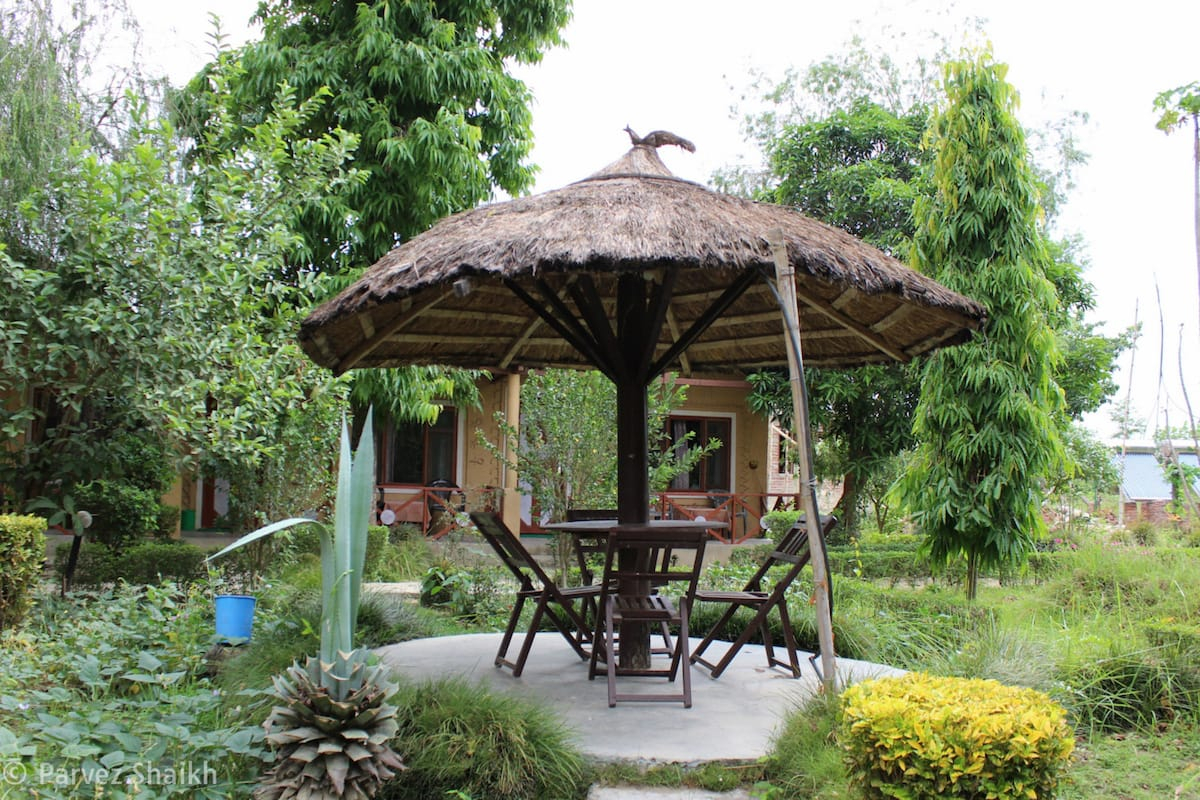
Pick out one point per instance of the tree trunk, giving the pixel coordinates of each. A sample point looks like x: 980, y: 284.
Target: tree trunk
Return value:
x: 1196, y: 188
x: 972, y: 573
x: 847, y: 504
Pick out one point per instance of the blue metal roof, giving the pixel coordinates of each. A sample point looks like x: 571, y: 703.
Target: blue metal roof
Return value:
x: 1144, y: 479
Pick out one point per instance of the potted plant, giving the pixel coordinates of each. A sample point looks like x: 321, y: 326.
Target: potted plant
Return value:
x: 332, y: 726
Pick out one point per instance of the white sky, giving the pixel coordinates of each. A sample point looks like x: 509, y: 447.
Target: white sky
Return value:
x: 682, y: 65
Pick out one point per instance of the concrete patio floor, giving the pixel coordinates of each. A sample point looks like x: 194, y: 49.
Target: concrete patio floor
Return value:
x: 732, y: 719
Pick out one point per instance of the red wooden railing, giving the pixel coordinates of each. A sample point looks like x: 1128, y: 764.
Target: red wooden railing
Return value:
x: 438, y: 513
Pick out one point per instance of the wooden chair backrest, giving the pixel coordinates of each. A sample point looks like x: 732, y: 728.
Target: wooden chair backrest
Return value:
x: 588, y: 546
x: 793, y: 549
x: 653, y: 554
x: 509, y: 548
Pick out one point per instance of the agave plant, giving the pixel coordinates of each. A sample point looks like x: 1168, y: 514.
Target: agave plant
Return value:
x: 332, y: 727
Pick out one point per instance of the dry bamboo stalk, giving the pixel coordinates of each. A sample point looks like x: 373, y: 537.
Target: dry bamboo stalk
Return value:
x: 785, y: 278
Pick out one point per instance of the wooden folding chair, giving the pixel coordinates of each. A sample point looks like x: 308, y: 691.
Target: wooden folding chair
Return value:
x: 794, y: 551
x: 638, y: 560
x: 586, y: 546
x: 535, y: 585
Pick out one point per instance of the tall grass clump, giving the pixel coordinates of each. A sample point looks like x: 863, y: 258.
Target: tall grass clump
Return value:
x: 998, y: 653
x: 903, y: 627
x: 457, y: 737
x: 805, y: 759
x: 1133, y: 687
x: 1130, y: 582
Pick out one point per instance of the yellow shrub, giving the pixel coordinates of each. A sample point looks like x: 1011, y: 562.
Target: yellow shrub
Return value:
x: 921, y: 736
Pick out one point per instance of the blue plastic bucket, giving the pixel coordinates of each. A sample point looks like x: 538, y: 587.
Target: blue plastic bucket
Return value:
x: 235, y: 616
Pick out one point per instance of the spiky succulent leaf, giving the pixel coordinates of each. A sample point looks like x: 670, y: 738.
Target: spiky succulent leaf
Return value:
x: 266, y: 530
x: 362, y: 486
x: 329, y: 574
x: 341, y: 624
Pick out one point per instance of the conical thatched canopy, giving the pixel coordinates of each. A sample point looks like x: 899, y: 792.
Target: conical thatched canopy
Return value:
x: 535, y: 282
x: 635, y: 272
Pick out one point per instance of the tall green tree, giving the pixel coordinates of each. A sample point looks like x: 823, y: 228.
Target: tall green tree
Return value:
x: 845, y: 148
x: 988, y: 415
x: 442, y: 124
x: 158, y: 306
x: 1176, y: 108
x: 425, y: 87
x: 46, y: 50
x: 860, y: 169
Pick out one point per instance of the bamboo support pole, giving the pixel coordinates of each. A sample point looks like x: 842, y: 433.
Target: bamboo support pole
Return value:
x: 510, y: 503
x: 786, y: 294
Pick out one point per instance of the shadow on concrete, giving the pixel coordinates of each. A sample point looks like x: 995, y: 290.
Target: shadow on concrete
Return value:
x: 733, y: 719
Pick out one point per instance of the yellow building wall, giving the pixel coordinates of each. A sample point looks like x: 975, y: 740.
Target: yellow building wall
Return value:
x: 480, y: 468
x: 748, y: 460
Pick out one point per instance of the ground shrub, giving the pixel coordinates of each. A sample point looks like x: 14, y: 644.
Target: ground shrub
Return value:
x: 122, y: 513
x: 778, y: 523
x: 377, y: 542
x: 891, y: 566
x: 1174, y: 637
x: 891, y: 542
x: 1131, y: 689
x: 458, y: 737
x: 387, y: 560
x: 442, y: 583
x: 403, y: 560
x: 805, y: 760
x: 474, y: 595
x: 22, y: 551
x: 94, y: 566
x: 148, y: 562
x: 920, y: 736
x: 168, y: 521
x: 98, y: 687
x: 154, y: 562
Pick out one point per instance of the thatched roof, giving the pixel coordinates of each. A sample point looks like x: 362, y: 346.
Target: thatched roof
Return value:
x: 461, y: 293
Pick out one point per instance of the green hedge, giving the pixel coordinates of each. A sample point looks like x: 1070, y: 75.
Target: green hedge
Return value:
x: 1174, y: 637
x: 145, y: 563
x: 22, y: 551
x: 921, y: 736
x: 894, y: 566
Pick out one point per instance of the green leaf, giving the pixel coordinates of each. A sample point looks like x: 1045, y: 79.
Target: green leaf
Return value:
x: 148, y: 661
x: 264, y: 531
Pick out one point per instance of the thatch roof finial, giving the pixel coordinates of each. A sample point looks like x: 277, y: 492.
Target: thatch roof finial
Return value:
x: 658, y: 139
